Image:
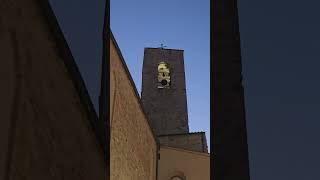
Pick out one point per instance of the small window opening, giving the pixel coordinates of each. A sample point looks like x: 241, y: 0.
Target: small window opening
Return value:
x: 164, y: 79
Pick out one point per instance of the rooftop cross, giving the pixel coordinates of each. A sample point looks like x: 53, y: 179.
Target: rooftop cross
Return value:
x: 162, y: 46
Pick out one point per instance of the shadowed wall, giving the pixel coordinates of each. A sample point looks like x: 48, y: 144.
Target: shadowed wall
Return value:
x: 46, y: 126
x: 230, y: 148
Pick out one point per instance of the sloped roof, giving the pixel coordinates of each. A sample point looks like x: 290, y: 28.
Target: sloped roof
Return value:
x: 179, y: 134
x: 186, y: 151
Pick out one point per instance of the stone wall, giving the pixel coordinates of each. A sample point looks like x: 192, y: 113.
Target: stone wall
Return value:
x: 187, y: 164
x: 166, y: 108
x: 189, y: 141
x: 44, y: 125
x: 133, y: 148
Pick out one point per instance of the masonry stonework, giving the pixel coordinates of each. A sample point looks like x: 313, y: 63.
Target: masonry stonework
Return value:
x: 190, y: 141
x: 166, y: 108
x: 133, y: 148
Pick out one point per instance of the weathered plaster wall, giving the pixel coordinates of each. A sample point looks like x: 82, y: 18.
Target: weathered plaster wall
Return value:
x: 45, y: 131
x: 192, y: 165
x: 190, y: 141
x: 133, y: 147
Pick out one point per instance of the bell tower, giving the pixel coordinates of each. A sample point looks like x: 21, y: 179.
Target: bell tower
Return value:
x: 164, y: 90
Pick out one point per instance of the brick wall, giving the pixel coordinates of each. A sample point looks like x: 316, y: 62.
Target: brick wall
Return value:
x: 133, y: 147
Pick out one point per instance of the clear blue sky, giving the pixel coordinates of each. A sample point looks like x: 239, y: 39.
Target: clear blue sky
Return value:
x: 181, y: 24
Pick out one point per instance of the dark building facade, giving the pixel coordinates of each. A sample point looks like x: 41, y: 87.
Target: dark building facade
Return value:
x: 164, y: 90
x: 48, y: 126
x: 230, y: 148
x: 183, y: 154
x: 164, y: 99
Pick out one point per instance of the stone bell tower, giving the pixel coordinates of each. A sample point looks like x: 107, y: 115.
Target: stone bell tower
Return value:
x: 164, y: 91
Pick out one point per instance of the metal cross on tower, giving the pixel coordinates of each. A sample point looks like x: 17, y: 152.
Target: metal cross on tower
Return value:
x: 162, y: 46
